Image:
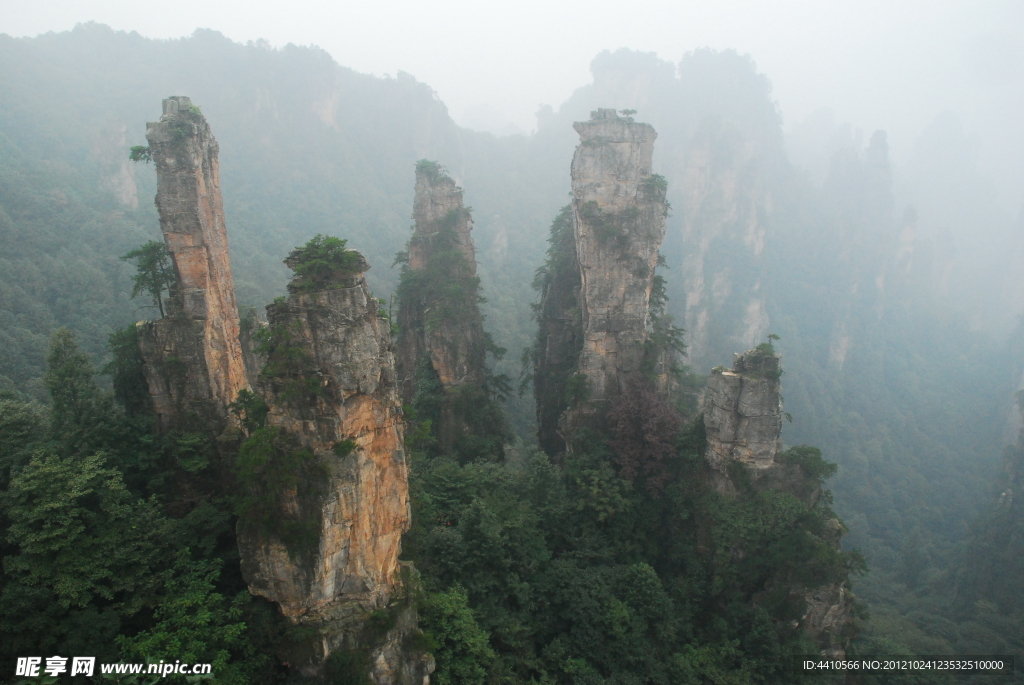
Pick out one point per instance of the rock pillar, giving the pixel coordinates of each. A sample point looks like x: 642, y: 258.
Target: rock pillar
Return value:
x: 194, y: 360
x: 326, y: 547
x: 442, y: 346
x: 619, y: 222
x: 743, y: 411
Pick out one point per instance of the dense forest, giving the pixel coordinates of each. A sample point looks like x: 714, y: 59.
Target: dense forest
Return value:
x: 119, y: 540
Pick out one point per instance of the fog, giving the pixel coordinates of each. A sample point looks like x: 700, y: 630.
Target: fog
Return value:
x: 844, y: 179
x: 876, y: 64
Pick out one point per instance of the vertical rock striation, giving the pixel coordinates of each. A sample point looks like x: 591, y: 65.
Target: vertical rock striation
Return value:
x: 619, y: 221
x: 194, y: 361
x: 743, y: 411
x: 326, y: 547
x: 442, y: 346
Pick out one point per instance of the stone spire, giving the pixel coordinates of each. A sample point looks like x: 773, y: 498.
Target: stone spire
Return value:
x: 192, y: 220
x: 619, y: 221
x: 327, y: 549
x: 442, y: 339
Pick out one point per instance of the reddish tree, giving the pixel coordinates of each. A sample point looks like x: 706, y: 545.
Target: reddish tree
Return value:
x: 644, y: 431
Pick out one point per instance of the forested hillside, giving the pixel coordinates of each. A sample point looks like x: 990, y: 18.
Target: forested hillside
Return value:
x: 893, y: 329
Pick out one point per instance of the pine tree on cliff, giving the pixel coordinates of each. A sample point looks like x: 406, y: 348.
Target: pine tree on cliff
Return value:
x: 442, y: 346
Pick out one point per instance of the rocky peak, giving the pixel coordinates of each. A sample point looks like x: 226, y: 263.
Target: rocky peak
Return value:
x: 326, y: 548
x: 443, y: 347
x: 619, y: 222
x: 437, y: 208
x: 743, y: 410
x: 194, y: 360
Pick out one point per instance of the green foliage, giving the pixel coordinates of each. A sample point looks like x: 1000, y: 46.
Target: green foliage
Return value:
x: 810, y: 461
x: 251, y: 410
x: 79, y: 534
x: 140, y: 153
x: 196, y: 624
x: 321, y: 263
x: 154, y: 272
x: 282, y: 489
x: 78, y: 411
x: 125, y: 369
x: 345, y: 447
x: 445, y: 289
x: 655, y: 183
x: 433, y: 170
x: 459, y: 644
x: 572, y: 573
x: 288, y: 366
x: 577, y: 389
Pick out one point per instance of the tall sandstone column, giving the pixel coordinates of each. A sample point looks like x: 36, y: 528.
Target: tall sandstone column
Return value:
x: 441, y: 327
x: 332, y: 393
x: 194, y: 361
x: 619, y: 221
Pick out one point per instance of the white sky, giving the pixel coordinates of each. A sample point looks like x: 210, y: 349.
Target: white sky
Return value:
x: 890, y: 64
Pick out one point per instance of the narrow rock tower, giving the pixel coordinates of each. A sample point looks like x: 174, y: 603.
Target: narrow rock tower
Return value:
x: 619, y: 214
x: 322, y: 537
x: 194, y: 362
x: 442, y: 346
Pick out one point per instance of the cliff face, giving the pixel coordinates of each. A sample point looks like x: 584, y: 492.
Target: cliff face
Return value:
x: 619, y: 221
x: 743, y: 411
x: 190, y: 375
x: 442, y: 346
x: 327, y: 550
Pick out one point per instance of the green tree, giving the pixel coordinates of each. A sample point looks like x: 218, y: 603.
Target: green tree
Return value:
x: 79, y: 532
x: 154, y: 274
x: 78, y: 408
x: 196, y: 624
x: 462, y: 650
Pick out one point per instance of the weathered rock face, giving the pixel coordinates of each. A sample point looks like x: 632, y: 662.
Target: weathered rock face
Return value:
x: 455, y: 348
x: 442, y: 340
x: 203, y: 302
x: 743, y: 411
x: 332, y: 391
x: 619, y: 221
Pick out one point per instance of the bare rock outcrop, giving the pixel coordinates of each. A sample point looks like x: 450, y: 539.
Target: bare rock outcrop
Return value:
x: 619, y: 219
x: 194, y: 361
x: 743, y: 411
x: 326, y: 548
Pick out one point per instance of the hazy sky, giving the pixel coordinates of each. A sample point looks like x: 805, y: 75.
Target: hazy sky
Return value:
x: 890, y: 64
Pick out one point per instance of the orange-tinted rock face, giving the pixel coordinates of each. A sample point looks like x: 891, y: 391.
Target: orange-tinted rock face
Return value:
x: 619, y: 220
x: 192, y: 220
x: 348, y: 392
